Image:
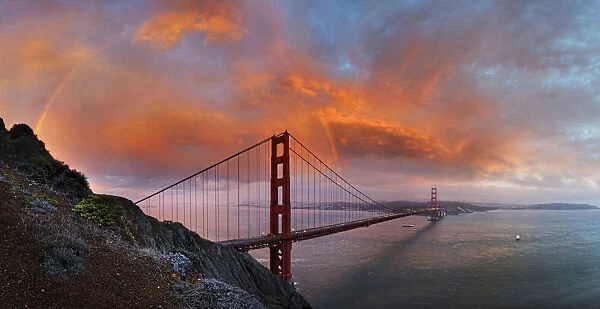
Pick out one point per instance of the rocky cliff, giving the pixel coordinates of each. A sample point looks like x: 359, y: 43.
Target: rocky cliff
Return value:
x: 207, y: 259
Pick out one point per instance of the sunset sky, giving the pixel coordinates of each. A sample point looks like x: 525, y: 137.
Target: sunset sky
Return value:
x: 490, y: 101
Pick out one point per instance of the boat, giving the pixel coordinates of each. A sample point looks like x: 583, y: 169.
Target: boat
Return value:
x: 408, y: 225
x: 517, y: 237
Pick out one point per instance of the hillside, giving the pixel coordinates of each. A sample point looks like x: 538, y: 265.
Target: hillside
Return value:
x: 50, y: 258
x: 63, y: 246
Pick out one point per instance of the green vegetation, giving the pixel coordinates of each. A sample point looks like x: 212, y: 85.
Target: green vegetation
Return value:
x: 101, y: 209
x: 105, y: 210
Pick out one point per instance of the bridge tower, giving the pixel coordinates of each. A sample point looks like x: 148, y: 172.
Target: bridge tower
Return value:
x: 280, y: 259
x: 433, y: 203
x: 437, y: 212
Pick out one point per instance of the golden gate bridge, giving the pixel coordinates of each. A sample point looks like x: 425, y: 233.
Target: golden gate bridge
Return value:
x: 270, y: 195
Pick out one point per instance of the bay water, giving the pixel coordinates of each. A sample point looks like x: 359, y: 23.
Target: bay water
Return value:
x: 465, y: 261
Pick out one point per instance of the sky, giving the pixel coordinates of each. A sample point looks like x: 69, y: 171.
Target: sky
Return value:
x: 490, y: 101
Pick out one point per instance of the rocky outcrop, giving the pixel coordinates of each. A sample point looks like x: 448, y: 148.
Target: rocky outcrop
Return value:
x: 212, y: 293
x: 2, y: 126
x: 211, y: 260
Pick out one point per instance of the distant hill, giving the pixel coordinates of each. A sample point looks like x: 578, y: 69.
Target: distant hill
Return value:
x: 456, y: 208
x: 561, y: 206
x: 547, y: 206
x: 451, y: 207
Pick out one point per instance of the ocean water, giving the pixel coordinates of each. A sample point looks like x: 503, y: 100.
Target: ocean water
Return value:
x: 466, y: 261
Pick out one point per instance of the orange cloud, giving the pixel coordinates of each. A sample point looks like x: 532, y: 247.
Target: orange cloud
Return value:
x: 313, y: 87
x: 481, y: 153
x: 164, y: 139
x: 167, y: 29
x: 360, y: 136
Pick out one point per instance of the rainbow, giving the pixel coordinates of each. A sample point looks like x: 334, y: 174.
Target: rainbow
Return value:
x: 330, y: 139
x: 57, y: 91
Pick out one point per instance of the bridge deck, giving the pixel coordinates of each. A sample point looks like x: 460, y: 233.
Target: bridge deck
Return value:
x: 246, y: 244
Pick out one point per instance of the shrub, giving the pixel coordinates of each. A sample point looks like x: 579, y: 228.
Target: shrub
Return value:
x: 21, y: 149
x: 64, y: 233
x: 61, y: 261
x: 71, y: 182
x: 62, y: 242
x: 104, y: 210
x: 19, y: 130
x: 100, y: 209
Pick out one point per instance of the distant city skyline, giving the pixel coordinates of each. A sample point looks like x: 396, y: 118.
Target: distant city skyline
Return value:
x: 490, y: 101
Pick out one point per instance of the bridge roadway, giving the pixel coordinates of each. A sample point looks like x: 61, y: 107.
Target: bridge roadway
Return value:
x: 246, y: 244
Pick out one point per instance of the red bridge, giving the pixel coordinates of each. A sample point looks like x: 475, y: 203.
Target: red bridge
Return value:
x: 272, y: 194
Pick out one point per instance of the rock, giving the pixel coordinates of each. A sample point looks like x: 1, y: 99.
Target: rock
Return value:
x: 180, y: 264
x: 212, y: 293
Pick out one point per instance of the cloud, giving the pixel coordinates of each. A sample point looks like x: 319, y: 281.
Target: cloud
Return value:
x: 474, y: 155
x: 359, y: 137
x: 463, y: 94
x: 167, y: 29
